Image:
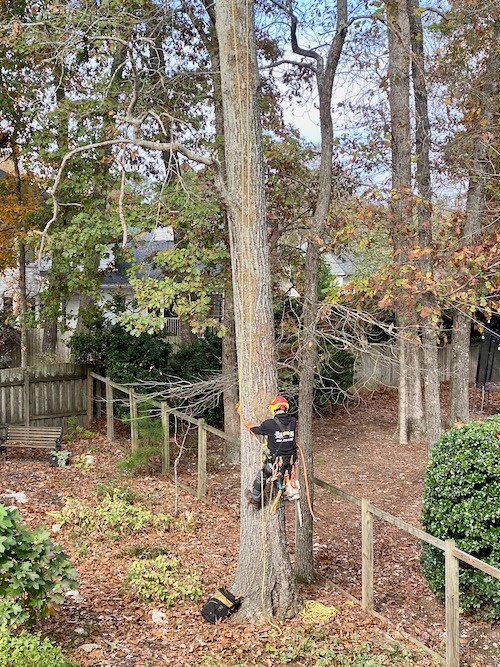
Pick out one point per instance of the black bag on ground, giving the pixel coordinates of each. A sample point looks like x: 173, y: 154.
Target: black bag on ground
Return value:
x: 220, y: 605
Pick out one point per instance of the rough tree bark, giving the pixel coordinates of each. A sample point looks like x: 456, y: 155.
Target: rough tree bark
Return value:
x: 458, y: 402
x: 424, y: 217
x: 325, y: 71
x: 264, y: 573
x: 411, y: 415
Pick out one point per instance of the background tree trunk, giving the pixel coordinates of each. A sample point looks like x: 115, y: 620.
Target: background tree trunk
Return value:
x: 411, y: 415
x: 325, y: 76
x: 229, y: 361
x: 424, y: 217
x: 458, y: 402
x: 264, y: 575
x: 23, y: 296
x: 229, y: 370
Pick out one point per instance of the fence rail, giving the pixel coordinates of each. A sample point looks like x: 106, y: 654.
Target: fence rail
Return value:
x: 452, y: 554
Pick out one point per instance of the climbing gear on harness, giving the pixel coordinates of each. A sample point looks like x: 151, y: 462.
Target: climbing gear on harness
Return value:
x: 278, y: 403
x: 220, y: 605
x: 292, y: 485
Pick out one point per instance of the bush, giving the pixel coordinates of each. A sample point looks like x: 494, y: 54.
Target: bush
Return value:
x: 118, y: 354
x: 34, y: 572
x: 30, y: 650
x: 115, y: 515
x: 161, y: 580
x: 462, y: 502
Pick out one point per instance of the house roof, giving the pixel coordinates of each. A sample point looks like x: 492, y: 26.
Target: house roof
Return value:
x: 148, y: 248
x: 340, y: 265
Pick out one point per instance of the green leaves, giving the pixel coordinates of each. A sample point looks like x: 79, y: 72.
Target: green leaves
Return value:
x: 164, y: 581
x: 462, y: 502
x: 29, y: 650
x: 34, y: 572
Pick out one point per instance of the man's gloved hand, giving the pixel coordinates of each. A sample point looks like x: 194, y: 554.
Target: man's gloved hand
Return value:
x: 247, y: 425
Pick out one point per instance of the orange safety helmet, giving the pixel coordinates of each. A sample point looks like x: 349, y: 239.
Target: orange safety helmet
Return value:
x: 278, y: 403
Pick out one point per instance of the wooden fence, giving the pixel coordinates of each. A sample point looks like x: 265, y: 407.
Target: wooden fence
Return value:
x: 103, y: 390
x: 378, y: 366
x: 45, y: 396
x: 453, y: 556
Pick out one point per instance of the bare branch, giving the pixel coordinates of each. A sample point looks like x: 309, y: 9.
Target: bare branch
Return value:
x: 141, y: 143
x: 120, y: 208
x: 285, y: 61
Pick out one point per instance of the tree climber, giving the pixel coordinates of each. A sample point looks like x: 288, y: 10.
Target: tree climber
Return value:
x: 281, y: 455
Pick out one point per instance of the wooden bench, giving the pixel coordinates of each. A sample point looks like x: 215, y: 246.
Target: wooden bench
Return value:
x: 46, y: 437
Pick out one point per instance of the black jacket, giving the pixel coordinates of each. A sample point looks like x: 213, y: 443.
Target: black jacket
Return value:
x: 280, y: 432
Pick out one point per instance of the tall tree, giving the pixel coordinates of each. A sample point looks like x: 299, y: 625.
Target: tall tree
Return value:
x: 428, y: 298
x: 264, y: 573
x: 324, y: 69
x: 411, y: 416
x: 481, y: 108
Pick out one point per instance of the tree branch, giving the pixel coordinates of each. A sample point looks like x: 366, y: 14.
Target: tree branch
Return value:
x: 141, y: 143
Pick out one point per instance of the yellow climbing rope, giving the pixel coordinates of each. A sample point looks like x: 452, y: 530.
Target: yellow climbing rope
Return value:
x: 316, y: 611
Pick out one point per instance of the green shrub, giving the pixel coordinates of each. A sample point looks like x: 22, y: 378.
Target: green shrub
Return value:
x: 34, y: 572
x: 136, y: 461
x: 117, y: 353
x: 113, y: 515
x: 116, y: 514
x: 462, y: 502
x: 161, y: 580
x: 30, y: 650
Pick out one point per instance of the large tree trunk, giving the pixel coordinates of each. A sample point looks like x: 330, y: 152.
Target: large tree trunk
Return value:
x: 229, y: 360
x: 325, y: 76
x: 411, y: 416
x: 424, y: 210
x: 264, y: 575
x: 458, y: 402
x: 229, y: 373
x: 23, y: 295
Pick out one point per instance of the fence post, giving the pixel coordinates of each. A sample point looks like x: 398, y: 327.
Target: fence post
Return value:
x: 165, y: 429
x: 98, y: 392
x: 134, y: 431
x: 90, y: 396
x: 452, y: 595
x: 26, y: 397
x: 202, y: 459
x: 110, y: 425
x: 366, y: 556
